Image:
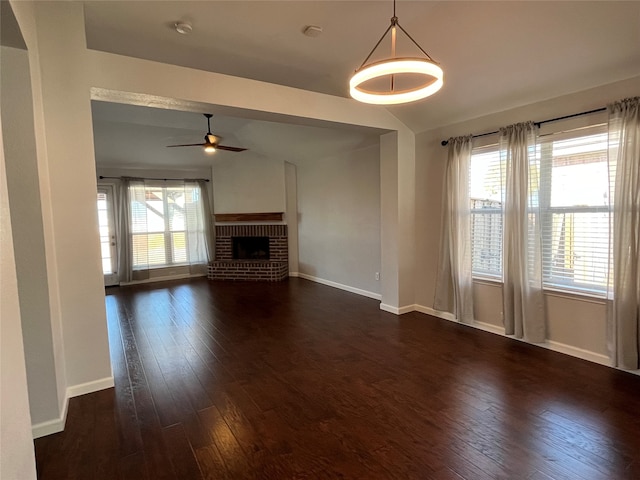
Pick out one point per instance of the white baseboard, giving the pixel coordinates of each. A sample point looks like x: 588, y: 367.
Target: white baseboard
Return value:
x: 577, y: 352
x: 294, y: 274
x: 90, y: 387
x: 549, y: 344
x: 435, y: 313
x: 359, y: 291
x: 50, y: 427
x: 56, y: 425
x: 397, y: 310
x: 489, y: 327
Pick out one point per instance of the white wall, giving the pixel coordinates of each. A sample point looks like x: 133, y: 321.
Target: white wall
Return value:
x: 339, y: 218
x: 291, y: 186
x: 68, y: 137
x: 26, y: 17
x: 247, y: 183
x: 575, y: 324
x: 397, y: 197
x: 27, y: 227
x: 17, y: 459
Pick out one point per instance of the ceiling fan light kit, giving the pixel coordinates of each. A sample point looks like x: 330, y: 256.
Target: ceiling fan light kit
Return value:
x: 210, y: 144
x: 394, y: 67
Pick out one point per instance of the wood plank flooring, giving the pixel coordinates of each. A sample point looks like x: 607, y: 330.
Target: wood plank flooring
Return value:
x: 296, y: 380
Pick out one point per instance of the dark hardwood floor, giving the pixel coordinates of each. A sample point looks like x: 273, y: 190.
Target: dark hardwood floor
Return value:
x: 295, y: 380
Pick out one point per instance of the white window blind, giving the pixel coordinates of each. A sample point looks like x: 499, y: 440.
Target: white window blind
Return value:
x: 574, y: 202
x: 163, y: 220
x: 574, y: 194
x: 486, y: 194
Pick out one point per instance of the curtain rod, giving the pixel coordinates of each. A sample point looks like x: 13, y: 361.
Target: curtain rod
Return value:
x: 537, y: 124
x: 164, y: 179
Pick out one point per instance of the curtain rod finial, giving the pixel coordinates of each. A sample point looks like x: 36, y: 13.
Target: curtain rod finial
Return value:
x: 444, y: 143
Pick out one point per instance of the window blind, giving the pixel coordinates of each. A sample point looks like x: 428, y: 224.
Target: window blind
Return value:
x: 574, y: 201
x: 486, y: 194
x: 165, y: 221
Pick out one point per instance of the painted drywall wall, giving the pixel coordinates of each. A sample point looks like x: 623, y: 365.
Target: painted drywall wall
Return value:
x: 26, y: 217
x: 291, y: 214
x: 17, y: 459
x: 26, y: 18
x: 248, y: 183
x: 575, y: 322
x: 397, y: 196
x: 339, y: 218
x: 70, y: 155
x: 389, y: 217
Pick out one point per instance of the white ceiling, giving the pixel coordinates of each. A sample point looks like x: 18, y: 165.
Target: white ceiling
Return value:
x: 495, y: 55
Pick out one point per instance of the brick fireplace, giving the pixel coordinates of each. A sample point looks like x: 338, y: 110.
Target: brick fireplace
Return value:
x: 273, y: 268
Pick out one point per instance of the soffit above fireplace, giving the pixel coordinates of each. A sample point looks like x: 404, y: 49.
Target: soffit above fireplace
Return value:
x: 250, y: 217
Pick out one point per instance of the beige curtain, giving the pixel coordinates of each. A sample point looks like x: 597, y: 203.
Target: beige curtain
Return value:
x: 208, y: 218
x: 454, y: 288
x: 523, y: 300
x: 126, y: 190
x: 624, y: 167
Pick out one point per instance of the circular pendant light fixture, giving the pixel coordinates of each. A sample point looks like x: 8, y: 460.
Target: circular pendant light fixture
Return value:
x: 425, y: 68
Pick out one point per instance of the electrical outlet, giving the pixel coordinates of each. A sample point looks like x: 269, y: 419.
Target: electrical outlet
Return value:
x: 377, y: 275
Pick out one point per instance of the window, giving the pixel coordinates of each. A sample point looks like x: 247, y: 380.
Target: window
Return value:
x: 574, y: 207
x: 167, y: 226
x: 574, y: 202
x: 105, y: 233
x: 486, y: 193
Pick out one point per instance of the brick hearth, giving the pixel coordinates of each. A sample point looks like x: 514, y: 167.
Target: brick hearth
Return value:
x: 226, y: 268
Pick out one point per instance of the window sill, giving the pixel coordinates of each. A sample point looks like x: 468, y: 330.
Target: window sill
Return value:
x: 550, y: 292
x: 582, y: 296
x: 493, y: 282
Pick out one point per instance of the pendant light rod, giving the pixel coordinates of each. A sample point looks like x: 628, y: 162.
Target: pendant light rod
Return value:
x: 208, y: 115
x: 395, y: 23
x: 377, y: 45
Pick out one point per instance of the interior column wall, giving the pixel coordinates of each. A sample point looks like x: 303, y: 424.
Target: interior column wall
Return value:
x: 17, y: 459
x: 26, y: 19
x: 398, y: 192
x: 292, y: 216
x: 26, y: 218
x: 68, y: 137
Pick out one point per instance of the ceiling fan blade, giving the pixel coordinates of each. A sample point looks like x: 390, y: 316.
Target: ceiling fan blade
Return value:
x: 230, y: 149
x: 188, y: 145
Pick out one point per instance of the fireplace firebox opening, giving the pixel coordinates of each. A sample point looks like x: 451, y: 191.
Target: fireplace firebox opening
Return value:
x: 250, y: 248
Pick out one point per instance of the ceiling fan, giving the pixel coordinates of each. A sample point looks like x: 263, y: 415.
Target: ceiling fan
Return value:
x: 210, y: 141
